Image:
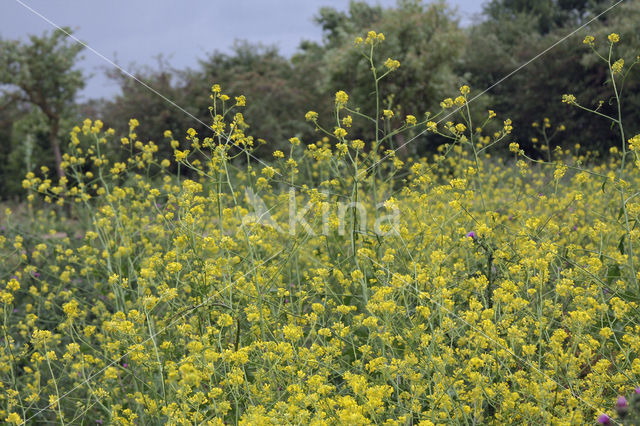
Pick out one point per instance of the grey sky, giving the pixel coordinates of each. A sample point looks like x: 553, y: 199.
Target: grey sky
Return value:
x: 137, y: 31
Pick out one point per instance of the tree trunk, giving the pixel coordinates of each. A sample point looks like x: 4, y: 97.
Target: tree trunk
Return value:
x: 55, y: 146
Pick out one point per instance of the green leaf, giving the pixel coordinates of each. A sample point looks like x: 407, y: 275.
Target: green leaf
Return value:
x: 613, y: 272
x: 621, y: 244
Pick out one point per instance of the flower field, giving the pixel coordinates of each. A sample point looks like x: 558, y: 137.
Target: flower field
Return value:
x: 338, y: 283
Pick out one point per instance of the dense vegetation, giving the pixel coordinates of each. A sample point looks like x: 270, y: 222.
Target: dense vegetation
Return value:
x: 206, y: 276
x: 437, y: 56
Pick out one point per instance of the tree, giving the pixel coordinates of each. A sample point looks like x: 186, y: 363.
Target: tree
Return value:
x: 154, y: 112
x: 10, y: 112
x: 41, y: 73
x: 546, y: 15
x: 506, y: 40
x: 425, y: 38
x: 277, y: 96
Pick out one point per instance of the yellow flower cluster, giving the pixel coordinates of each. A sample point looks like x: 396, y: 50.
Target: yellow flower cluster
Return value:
x: 455, y: 288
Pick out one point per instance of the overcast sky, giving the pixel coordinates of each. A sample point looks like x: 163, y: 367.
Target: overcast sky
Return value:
x: 137, y: 31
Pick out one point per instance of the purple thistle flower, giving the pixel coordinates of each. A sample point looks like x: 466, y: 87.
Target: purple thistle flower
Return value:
x: 637, y: 390
x: 621, y: 402
x: 125, y: 365
x: 471, y: 234
x: 603, y: 419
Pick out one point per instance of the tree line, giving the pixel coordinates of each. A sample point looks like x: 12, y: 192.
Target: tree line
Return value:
x: 39, y: 80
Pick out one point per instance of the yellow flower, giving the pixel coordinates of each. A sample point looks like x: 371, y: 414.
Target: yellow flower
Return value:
x: 447, y: 103
x: 174, y: 267
x: 391, y: 204
x: 341, y: 98
x: 613, y: 38
x: 13, y: 285
x: 392, y: 64
x: 617, y: 66
x: 374, y: 38
x: 71, y: 309
x: 6, y: 297
x: 340, y: 132
x: 292, y: 332
x: 180, y: 155
x: 311, y: 116
x: 460, y: 127
x: 13, y: 418
x: 269, y: 171
x: 588, y: 40
x: 357, y: 144
x: 387, y: 113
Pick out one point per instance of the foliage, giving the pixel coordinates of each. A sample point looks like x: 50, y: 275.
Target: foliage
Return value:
x: 155, y: 96
x: 436, y: 54
x: 497, y: 47
x: 41, y: 73
x: 276, y: 92
x: 29, y: 148
x: 545, y: 15
x: 425, y: 39
x: 10, y: 112
x: 337, y: 284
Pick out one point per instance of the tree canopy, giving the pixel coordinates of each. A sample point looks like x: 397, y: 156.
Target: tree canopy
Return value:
x: 436, y: 54
x: 42, y: 73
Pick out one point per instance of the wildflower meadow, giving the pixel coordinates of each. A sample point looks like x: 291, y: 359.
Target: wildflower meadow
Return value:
x: 339, y: 281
